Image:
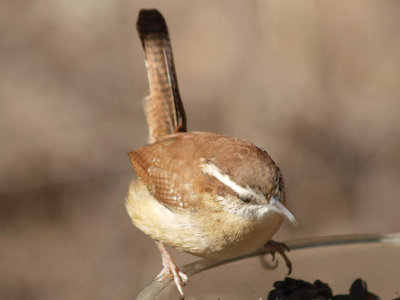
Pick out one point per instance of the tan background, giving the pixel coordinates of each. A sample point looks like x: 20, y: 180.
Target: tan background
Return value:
x: 316, y: 83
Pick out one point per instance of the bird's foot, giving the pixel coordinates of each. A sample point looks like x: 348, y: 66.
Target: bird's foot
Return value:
x: 280, y: 248
x: 170, y: 269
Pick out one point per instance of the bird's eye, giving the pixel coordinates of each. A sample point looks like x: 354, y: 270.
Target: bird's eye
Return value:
x: 247, y: 199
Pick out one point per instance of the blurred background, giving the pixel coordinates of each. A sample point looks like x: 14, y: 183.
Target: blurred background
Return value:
x: 315, y: 83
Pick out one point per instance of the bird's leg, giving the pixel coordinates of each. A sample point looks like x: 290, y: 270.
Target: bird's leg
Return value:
x: 170, y: 269
x: 280, y: 248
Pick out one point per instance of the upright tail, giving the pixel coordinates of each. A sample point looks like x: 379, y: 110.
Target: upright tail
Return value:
x: 163, y: 107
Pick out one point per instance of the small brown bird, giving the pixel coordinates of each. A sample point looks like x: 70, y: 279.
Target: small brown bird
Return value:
x: 210, y: 195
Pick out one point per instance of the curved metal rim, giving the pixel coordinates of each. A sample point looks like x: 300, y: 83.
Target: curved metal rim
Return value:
x: 153, y: 289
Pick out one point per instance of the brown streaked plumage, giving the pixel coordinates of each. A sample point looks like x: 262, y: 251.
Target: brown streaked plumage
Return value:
x: 171, y: 168
x: 207, y: 194
x: 163, y: 107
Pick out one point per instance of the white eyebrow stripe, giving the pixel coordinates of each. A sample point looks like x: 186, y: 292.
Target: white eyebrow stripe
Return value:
x: 243, y: 192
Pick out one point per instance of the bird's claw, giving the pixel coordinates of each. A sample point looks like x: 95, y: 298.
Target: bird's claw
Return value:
x: 280, y: 248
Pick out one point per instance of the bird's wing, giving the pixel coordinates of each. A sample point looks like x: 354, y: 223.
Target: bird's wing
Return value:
x: 171, y: 171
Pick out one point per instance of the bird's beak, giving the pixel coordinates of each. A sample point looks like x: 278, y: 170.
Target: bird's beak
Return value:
x: 276, y: 204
